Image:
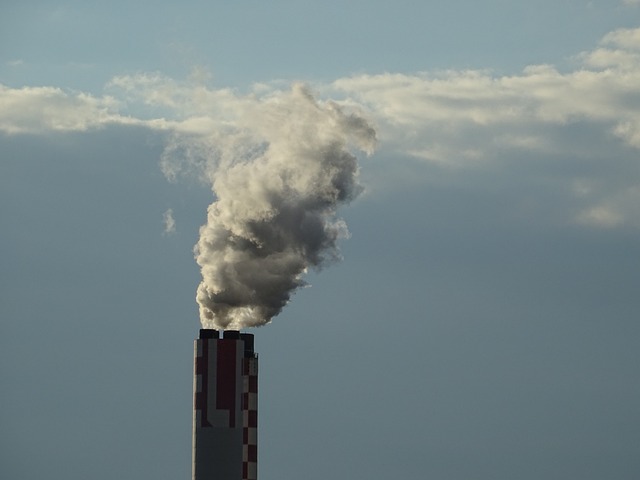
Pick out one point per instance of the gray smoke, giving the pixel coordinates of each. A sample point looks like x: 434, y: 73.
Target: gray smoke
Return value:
x: 278, y: 181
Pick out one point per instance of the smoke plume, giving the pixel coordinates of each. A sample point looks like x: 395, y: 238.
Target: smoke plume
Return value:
x: 278, y: 178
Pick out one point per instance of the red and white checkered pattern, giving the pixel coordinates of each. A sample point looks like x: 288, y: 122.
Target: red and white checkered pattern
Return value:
x: 250, y: 418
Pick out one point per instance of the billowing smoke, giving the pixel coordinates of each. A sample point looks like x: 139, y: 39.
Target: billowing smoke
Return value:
x: 279, y: 177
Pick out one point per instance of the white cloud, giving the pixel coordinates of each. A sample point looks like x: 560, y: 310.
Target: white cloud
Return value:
x: 434, y: 109
x: 617, y: 208
x: 38, y: 109
x: 600, y: 216
x: 624, y: 37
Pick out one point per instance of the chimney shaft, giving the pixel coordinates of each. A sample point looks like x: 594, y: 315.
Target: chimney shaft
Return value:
x: 225, y: 407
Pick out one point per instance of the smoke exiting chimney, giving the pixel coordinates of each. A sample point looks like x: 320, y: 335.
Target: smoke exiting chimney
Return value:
x: 278, y: 178
x: 225, y: 414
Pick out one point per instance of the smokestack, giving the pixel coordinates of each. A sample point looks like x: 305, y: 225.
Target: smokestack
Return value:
x: 225, y: 414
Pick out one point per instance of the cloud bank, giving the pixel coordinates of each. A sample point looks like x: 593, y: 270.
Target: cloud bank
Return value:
x: 580, y: 123
x: 427, y: 112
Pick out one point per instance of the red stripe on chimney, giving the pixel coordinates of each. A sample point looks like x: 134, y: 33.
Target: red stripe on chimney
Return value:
x: 226, y: 379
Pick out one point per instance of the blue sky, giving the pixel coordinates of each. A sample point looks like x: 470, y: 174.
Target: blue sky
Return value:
x: 483, y: 321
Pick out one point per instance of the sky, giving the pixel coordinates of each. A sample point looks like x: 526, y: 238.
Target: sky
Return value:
x: 482, y: 320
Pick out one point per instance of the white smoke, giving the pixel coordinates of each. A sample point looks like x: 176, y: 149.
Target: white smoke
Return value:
x: 278, y: 175
x: 169, y: 222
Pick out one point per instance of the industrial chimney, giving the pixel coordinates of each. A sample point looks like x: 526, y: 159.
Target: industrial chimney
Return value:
x: 225, y: 413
